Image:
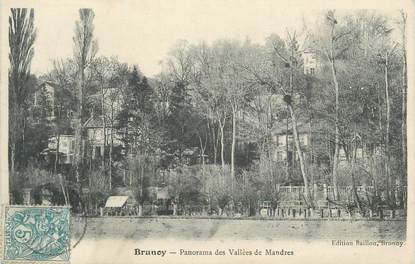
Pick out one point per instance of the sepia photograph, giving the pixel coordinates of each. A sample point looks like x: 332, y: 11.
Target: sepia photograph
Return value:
x: 232, y: 121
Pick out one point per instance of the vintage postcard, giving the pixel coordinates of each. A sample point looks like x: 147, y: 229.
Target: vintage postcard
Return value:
x: 223, y: 131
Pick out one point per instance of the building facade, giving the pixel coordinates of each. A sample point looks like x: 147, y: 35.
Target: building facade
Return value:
x: 97, y: 136
x: 310, y: 63
x: 66, y: 148
x: 283, y: 141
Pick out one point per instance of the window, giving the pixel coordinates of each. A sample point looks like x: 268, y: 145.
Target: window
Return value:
x: 90, y: 134
x: 72, y: 145
x: 278, y: 156
x: 64, y: 144
x: 69, y: 114
x: 312, y: 71
x: 97, y: 151
x: 303, y: 139
x: 35, y: 99
x: 281, y: 140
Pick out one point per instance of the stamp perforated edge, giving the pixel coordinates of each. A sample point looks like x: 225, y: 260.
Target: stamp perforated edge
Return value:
x: 2, y: 223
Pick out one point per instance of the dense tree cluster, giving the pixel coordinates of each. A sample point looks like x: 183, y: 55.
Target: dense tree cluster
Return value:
x: 206, y: 126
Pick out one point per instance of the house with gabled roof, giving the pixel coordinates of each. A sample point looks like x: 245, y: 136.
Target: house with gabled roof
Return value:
x: 96, y: 135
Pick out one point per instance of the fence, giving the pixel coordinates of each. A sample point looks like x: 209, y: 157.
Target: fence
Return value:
x: 293, y: 195
x: 333, y: 213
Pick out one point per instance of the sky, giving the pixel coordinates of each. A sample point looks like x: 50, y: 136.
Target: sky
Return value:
x: 143, y: 35
x: 142, y: 32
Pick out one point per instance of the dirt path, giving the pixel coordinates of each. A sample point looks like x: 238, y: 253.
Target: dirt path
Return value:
x: 205, y: 229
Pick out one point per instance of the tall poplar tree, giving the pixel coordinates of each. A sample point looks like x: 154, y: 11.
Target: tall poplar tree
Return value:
x: 85, y: 49
x: 22, y: 35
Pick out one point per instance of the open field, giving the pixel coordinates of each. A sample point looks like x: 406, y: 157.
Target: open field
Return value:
x: 246, y: 229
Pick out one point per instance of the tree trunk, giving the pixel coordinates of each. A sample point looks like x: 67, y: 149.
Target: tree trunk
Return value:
x: 23, y: 139
x: 387, y: 136
x: 104, y: 128
x: 110, y: 165
x: 58, y: 139
x: 214, y: 143
x: 63, y: 189
x: 12, y: 158
x: 287, y: 148
x: 202, y: 150
x: 353, y: 165
x: 310, y: 140
x: 222, y: 142
x: 328, y: 147
x: 307, y: 196
x: 111, y: 146
x: 78, y: 126
x: 336, y: 135
x: 403, y: 125
x: 233, y: 146
x: 142, y: 181
x: 378, y: 93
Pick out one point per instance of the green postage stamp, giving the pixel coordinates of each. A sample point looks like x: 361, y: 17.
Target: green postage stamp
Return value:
x: 35, y: 234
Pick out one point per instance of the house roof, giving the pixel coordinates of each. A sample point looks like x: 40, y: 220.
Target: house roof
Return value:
x: 116, y: 201
x: 163, y: 193
x: 96, y: 122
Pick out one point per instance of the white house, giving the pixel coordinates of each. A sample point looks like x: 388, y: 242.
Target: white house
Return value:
x: 66, y: 148
x: 310, y: 63
x: 95, y: 136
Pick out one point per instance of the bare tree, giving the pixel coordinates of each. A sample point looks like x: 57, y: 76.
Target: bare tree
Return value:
x: 386, y: 60
x: 222, y: 89
x: 102, y: 72
x: 331, y: 56
x: 334, y: 45
x: 272, y: 76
